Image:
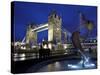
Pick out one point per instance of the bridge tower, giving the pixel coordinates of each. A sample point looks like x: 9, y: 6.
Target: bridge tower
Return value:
x: 54, y: 28
x: 31, y: 36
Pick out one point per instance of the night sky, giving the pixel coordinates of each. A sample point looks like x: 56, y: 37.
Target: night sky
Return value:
x: 29, y: 12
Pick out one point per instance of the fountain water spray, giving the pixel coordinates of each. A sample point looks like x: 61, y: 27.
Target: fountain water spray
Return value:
x: 86, y: 60
x: 84, y: 63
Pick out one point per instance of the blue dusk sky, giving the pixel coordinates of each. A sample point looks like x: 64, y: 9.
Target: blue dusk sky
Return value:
x: 30, y: 12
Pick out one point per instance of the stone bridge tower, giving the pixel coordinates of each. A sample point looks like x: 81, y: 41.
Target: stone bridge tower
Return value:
x: 31, y: 36
x: 54, y: 28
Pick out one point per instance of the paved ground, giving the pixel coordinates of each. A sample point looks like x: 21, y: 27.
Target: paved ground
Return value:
x: 58, y: 63
x: 62, y: 65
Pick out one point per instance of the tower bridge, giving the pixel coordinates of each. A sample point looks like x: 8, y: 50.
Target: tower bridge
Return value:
x: 55, y: 31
